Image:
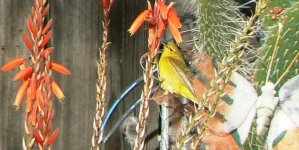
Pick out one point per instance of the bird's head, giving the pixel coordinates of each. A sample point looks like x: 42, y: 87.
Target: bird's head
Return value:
x: 172, y: 50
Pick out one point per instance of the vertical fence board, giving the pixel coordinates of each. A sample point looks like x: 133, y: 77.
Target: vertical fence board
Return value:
x: 12, y: 25
x: 75, y: 38
x: 77, y: 28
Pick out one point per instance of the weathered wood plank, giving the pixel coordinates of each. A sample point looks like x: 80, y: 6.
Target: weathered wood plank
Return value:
x: 12, y: 24
x: 76, y: 38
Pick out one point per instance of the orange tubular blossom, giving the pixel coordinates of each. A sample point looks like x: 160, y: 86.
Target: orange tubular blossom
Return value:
x: 28, y: 42
x: 26, y: 72
x: 21, y: 93
x: 60, y: 68
x: 139, y: 21
x: 175, y: 31
x: 47, y: 51
x: 53, y: 137
x: 57, y: 90
x: 13, y: 64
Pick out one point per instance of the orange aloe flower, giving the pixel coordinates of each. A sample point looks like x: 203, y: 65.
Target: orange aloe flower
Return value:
x: 47, y: 38
x: 31, y: 28
x: 105, y: 4
x: 46, y: 10
x: 21, y: 93
x: 24, y: 73
x: 174, y: 18
x: 38, y: 136
x: 13, y: 64
x: 47, y: 27
x: 38, y: 83
x: 47, y: 51
x: 57, y: 90
x: 60, y: 68
x: 158, y: 19
x: 139, y: 21
x: 34, y: 114
x: 28, y: 42
x: 53, y: 136
x: 40, y: 100
x: 49, y: 127
x: 33, y: 86
x: 175, y: 31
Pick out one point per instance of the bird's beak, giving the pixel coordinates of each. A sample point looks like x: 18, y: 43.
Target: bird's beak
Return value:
x: 163, y: 44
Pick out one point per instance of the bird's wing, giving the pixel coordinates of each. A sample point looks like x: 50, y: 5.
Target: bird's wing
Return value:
x: 182, y: 73
x: 285, y: 120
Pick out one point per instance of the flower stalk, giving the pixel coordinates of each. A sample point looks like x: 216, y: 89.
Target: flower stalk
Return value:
x: 37, y: 80
x: 97, y: 135
x: 158, y: 17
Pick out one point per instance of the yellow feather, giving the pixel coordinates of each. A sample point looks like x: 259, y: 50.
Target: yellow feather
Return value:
x: 173, y: 73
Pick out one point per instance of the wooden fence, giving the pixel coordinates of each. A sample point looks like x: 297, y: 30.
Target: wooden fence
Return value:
x: 77, y: 29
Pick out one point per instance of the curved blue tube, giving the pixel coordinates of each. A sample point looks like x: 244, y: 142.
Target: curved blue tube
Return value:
x: 121, y: 98
x: 121, y: 120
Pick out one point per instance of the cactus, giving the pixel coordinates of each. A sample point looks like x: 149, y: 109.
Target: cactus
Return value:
x: 219, y: 21
x: 287, y: 47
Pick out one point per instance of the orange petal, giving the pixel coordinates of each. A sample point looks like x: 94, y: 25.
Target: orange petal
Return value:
x: 57, y: 90
x: 28, y: 42
x: 29, y: 101
x: 175, y: 31
x: 52, y: 115
x: 163, y: 10
x: 47, y: 27
x: 46, y: 116
x: 53, y: 137
x: 40, y: 122
x: 33, y: 86
x: 40, y: 2
x: 49, y: 127
x: 151, y: 34
x: 31, y: 27
x: 138, y: 21
x: 40, y: 99
x: 105, y: 4
x: 46, y: 39
x: 174, y: 18
x: 21, y: 93
x: 154, y: 47
x: 111, y: 2
x: 39, y: 20
x: 38, y: 136
x: 34, y: 114
x: 13, y: 64
x: 161, y: 28
x: 170, y: 6
x: 46, y: 51
x: 23, y: 74
x: 60, y: 68
x: 46, y: 10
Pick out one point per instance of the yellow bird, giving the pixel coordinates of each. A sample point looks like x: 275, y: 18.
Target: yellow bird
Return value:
x: 173, y: 73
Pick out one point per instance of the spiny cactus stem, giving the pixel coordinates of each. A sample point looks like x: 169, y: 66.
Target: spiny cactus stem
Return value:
x: 230, y: 64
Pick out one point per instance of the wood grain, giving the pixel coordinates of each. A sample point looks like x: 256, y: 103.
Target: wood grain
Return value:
x: 77, y: 29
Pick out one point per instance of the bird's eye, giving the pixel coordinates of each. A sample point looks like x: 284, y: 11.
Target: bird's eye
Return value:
x: 171, y: 49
